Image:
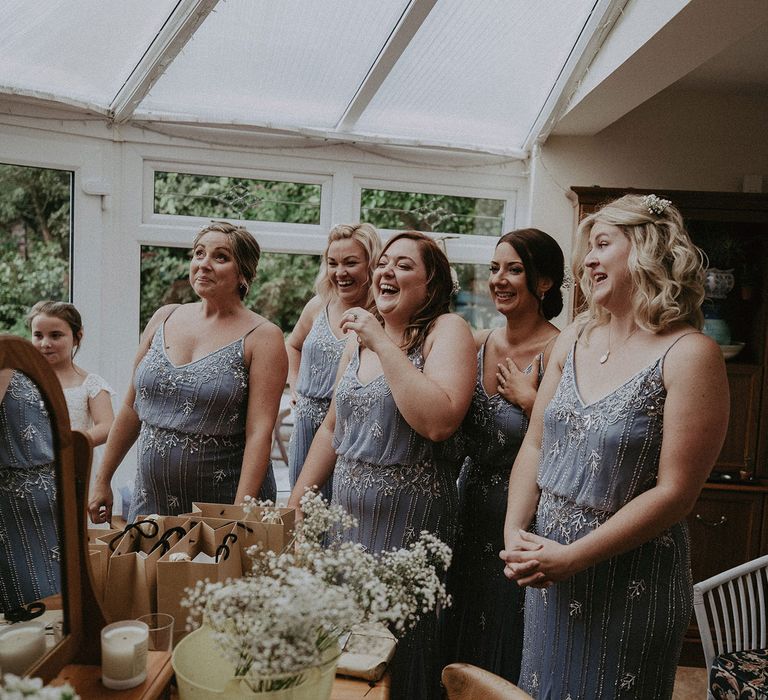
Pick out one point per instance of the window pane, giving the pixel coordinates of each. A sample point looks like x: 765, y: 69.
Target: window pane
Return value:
x: 35, y: 220
x: 216, y: 197
x: 283, y: 284
x: 388, y: 209
x: 473, y: 302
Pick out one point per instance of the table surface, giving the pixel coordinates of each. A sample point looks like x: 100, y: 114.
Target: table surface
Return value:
x: 86, y: 680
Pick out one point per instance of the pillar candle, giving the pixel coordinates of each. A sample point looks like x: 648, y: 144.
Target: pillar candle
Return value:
x: 124, y: 654
x: 21, y: 645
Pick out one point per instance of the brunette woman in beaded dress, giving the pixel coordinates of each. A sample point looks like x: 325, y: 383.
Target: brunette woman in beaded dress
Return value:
x: 484, y: 626
x: 206, y: 391
x: 629, y: 419
x: 316, y: 343
x: 403, y: 388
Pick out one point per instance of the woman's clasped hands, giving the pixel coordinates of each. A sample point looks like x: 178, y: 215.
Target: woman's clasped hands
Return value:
x: 536, y: 561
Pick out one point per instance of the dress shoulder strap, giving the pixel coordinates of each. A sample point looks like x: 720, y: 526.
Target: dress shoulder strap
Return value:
x: 676, y: 341
x: 260, y: 323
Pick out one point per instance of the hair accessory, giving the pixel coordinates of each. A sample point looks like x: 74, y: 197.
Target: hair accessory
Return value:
x: 655, y: 205
x: 455, y: 285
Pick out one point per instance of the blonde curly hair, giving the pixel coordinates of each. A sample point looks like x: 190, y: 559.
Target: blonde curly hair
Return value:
x: 666, y: 268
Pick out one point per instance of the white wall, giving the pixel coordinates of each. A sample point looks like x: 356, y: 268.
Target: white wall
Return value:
x: 676, y: 140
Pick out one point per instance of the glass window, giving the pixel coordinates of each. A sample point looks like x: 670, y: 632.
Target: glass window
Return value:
x: 219, y: 197
x: 473, y: 302
x: 35, y: 230
x: 389, y: 209
x: 283, y: 284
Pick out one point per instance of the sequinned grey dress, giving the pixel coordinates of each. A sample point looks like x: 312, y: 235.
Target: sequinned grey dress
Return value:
x: 320, y: 355
x: 396, y: 483
x: 616, y: 629
x: 192, y: 432
x: 29, y: 536
x: 484, y: 626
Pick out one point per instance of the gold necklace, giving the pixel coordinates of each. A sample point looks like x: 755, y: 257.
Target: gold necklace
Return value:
x: 604, y: 357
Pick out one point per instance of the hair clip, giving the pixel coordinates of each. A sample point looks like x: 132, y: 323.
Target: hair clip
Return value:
x: 655, y: 205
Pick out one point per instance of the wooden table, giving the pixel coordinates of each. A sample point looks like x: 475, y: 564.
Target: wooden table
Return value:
x: 86, y: 680
x: 355, y: 689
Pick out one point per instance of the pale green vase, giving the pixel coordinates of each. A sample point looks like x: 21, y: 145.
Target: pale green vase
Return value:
x: 201, y: 673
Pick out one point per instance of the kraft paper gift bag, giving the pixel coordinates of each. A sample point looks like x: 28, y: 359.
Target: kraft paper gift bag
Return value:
x: 271, y: 528
x: 211, y: 553
x: 130, y: 588
x: 98, y: 556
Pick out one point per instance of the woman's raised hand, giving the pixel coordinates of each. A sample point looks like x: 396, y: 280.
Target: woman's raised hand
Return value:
x: 364, y: 324
x: 518, y: 387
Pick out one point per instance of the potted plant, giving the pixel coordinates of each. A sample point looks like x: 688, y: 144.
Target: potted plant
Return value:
x: 275, y: 632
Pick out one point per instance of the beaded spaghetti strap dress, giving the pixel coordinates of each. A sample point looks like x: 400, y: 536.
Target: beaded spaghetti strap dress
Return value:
x: 484, y: 626
x: 396, y: 483
x: 192, y: 434
x: 616, y: 629
x: 29, y: 538
x: 320, y: 357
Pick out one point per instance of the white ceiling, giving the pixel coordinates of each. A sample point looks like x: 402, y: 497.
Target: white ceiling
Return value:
x: 489, y: 76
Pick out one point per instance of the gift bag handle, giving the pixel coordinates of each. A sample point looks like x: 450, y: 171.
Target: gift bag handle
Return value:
x: 154, y: 529
x: 224, y: 548
x: 164, y: 541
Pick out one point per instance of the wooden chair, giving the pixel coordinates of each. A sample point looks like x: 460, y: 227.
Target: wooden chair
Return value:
x: 467, y: 682
x: 734, y: 604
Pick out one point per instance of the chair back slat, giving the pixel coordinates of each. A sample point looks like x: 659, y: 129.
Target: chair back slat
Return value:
x: 741, y: 613
x: 762, y: 587
x: 751, y: 619
x: 719, y: 624
x: 727, y: 622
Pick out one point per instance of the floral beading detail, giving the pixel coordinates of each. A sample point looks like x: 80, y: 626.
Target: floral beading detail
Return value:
x: 565, y: 518
x: 314, y: 409
x: 418, y: 479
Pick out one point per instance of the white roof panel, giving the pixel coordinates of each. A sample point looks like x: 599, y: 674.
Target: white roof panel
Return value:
x: 79, y: 52
x: 290, y: 63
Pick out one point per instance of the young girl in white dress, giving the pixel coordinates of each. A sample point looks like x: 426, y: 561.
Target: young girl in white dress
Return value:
x: 57, y: 330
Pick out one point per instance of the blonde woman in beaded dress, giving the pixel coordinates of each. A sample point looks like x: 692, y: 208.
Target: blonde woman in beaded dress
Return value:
x: 402, y: 389
x: 206, y: 391
x: 484, y: 625
x: 316, y: 343
x: 629, y: 419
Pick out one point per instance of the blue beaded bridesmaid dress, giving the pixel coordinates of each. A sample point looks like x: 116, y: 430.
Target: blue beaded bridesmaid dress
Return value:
x: 484, y: 626
x: 320, y: 355
x: 29, y: 539
x: 192, y: 432
x: 616, y: 629
x: 396, y: 483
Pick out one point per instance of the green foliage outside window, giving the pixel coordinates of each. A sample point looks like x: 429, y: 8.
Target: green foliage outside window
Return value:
x: 34, y: 240
x: 389, y: 209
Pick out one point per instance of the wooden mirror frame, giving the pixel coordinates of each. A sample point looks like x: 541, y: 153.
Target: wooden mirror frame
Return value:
x: 73, y: 457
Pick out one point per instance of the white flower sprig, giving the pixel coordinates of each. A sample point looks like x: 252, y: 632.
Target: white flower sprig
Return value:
x: 655, y: 205
x: 16, y: 688
x: 292, y: 607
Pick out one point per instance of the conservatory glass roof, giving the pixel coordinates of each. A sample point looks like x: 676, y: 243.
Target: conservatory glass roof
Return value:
x: 478, y: 75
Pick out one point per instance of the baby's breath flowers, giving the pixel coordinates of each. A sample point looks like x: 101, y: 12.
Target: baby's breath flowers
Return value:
x: 289, y: 611
x: 655, y: 205
x: 16, y: 688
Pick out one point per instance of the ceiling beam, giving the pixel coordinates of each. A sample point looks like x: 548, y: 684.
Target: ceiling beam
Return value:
x: 409, y: 23
x: 632, y: 67
x: 597, y: 27
x: 178, y: 29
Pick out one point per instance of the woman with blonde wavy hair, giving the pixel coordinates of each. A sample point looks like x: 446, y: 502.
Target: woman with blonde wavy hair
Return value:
x: 629, y: 419
x: 316, y: 343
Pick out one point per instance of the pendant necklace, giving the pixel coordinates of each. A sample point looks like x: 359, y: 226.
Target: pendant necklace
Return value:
x: 604, y: 357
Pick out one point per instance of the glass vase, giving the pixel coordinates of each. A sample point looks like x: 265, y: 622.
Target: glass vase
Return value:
x: 201, y: 672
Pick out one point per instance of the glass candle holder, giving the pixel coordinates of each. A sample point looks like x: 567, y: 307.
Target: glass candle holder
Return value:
x: 124, y: 654
x: 21, y: 645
